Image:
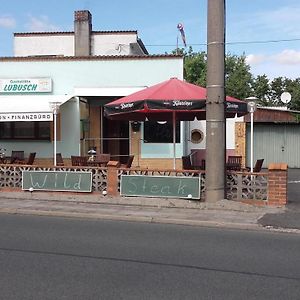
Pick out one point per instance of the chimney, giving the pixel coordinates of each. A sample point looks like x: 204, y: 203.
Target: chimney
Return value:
x: 82, y: 30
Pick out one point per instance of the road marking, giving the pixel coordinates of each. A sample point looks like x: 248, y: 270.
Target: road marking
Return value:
x: 294, y: 181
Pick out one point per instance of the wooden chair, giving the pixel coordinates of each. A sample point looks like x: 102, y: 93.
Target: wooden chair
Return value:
x: 258, y: 166
x: 79, y: 160
x: 203, y: 164
x: 16, y: 157
x: 59, y: 160
x: 186, y: 163
x: 234, y: 163
x: 30, y: 159
x: 128, y: 163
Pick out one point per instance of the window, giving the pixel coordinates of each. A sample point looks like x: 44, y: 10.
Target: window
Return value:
x: 155, y: 132
x: 25, y: 130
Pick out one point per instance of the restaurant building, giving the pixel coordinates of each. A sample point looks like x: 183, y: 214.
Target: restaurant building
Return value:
x: 79, y: 72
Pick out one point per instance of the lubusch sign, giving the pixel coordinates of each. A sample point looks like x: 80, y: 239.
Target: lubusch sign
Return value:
x: 25, y: 85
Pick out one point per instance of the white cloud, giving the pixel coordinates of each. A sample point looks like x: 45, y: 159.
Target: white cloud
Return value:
x: 287, y: 57
x: 255, y: 59
x: 39, y: 24
x: 7, y: 22
x: 282, y: 64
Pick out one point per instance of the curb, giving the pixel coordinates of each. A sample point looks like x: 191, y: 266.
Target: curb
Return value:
x: 156, y: 220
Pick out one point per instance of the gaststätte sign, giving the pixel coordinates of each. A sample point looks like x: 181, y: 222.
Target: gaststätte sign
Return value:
x: 26, y: 117
x: 25, y: 85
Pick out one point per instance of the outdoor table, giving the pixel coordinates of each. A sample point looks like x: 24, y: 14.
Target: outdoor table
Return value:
x: 97, y: 162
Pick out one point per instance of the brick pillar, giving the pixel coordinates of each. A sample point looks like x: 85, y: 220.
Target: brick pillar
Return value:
x: 277, y: 184
x: 112, y: 178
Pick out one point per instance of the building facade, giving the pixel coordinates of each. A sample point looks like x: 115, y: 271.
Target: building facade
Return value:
x: 82, y: 70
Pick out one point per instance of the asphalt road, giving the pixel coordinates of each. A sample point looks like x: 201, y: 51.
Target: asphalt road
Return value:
x: 60, y: 258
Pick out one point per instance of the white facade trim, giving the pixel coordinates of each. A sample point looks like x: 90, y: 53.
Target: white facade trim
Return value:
x: 29, y: 104
x: 106, y: 91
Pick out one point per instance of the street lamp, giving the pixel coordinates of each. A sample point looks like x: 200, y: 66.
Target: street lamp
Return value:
x: 54, y: 106
x: 251, y: 105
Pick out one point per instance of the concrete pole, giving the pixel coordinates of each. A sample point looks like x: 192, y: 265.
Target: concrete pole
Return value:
x: 215, y: 179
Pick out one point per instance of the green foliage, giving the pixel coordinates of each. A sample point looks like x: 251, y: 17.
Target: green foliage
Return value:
x: 239, y: 81
x: 261, y: 89
x: 195, y: 68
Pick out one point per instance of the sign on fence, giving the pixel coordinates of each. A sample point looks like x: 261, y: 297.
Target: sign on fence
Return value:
x: 160, y: 186
x: 67, y: 181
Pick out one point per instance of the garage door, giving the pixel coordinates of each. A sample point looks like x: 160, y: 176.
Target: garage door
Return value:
x: 275, y: 143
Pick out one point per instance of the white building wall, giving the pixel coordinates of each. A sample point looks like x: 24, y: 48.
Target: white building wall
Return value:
x: 44, y: 45
x: 112, y: 44
x: 63, y: 45
x: 201, y: 125
x: 67, y: 75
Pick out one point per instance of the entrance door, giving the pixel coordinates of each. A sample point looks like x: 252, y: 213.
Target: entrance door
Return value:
x: 116, y: 139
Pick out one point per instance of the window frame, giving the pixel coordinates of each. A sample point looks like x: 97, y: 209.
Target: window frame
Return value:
x: 36, y: 131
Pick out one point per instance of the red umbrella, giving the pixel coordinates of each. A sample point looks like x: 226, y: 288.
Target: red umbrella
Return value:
x: 159, y: 101
x: 171, y: 99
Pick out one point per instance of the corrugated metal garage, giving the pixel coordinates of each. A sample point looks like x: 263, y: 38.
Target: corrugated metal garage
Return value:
x: 275, y: 143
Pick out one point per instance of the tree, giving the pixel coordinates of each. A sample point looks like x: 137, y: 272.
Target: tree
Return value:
x: 237, y: 73
x: 293, y: 87
x: 277, y: 87
x: 261, y: 90
x: 195, y: 67
x: 238, y: 79
x: 239, y: 82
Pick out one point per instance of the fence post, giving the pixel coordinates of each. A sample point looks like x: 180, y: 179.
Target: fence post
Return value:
x: 112, y: 178
x: 277, y: 184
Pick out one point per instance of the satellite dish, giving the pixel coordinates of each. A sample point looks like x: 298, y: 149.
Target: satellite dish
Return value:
x: 285, y: 97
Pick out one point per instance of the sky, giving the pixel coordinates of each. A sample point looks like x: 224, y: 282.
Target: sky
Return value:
x: 267, y: 32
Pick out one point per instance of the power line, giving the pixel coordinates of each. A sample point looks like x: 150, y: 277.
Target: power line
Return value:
x: 230, y: 43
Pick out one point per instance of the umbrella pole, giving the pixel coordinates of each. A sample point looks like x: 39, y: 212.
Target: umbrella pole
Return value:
x: 174, y: 140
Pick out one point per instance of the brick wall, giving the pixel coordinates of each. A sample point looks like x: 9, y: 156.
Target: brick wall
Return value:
x: 277, y: 183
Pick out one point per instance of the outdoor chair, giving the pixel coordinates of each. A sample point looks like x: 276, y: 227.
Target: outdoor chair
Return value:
x: 234, y: 163
x: 258, y: 166
x: 79, y: 160
x: 59, y: 160
x: 128, y: 163
x: 186, y: 163
x: 29, y: 160
x: 16, y: 157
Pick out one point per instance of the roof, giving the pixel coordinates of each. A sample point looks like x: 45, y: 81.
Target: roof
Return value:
x: 90, y: 57
x: 266, y: 114
x: 72, y: 32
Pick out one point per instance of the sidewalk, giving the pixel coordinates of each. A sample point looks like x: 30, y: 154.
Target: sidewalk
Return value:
x: 224, y: 213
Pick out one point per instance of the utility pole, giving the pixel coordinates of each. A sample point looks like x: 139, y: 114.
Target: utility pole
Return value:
x: 215, y: 179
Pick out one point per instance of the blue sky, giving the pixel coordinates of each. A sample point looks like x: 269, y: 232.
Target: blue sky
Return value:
x: 266, y: 31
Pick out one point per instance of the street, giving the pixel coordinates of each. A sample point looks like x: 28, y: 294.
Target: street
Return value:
x: 64, y: 258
